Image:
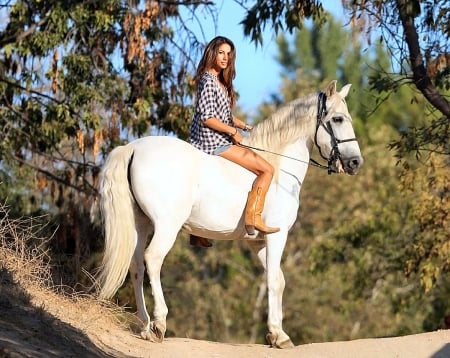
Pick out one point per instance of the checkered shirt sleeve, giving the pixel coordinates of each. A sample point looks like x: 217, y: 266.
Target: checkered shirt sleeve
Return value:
x: 212, y: 101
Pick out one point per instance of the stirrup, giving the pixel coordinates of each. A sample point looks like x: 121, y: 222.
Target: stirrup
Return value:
x: 199, y: 241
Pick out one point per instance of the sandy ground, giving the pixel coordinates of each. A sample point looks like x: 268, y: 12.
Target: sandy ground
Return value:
x: 38, y: 323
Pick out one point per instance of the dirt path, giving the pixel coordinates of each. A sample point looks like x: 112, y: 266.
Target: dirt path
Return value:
x: 38, y: 323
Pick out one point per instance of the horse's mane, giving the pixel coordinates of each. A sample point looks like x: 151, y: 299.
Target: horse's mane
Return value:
x: 294, y: 120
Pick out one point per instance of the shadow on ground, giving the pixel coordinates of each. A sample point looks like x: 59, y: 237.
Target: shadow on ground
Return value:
x: 29, y: 331
x: 442, y: 353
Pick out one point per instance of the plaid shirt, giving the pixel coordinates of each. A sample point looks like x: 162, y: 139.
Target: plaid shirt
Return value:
x: 212, y: 101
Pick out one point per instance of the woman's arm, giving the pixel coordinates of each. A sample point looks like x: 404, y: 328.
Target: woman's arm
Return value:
x: 219, y: 126
x: 242, y: 125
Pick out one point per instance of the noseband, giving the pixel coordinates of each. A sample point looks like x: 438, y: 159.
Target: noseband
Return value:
x: 335, y: 154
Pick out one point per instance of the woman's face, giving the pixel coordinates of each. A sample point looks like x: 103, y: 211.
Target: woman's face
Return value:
x: 222, y: 58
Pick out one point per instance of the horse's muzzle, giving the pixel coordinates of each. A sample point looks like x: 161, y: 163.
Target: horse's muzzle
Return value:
x: 353, y: 164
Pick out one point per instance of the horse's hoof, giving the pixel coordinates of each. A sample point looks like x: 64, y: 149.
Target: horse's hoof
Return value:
x: 158, y: 330
x: 286, y: 344
x: 272, y: 339
x: 152, y: 336
x: 155, y: 333
x: 148, y: 336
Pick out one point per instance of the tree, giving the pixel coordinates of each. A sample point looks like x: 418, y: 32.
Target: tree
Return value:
x: 417, y: 31
x: 417, y: 34
x: 424, y: 62
x: 78, y: 78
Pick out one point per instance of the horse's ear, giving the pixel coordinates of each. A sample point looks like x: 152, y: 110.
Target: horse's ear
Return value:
x: 344, y: 90
x: 331, y: 88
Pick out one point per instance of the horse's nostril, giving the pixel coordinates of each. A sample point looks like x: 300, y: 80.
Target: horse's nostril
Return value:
x: 355, y: 163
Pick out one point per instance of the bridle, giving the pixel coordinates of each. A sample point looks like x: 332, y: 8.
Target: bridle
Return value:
x: 335, y: 154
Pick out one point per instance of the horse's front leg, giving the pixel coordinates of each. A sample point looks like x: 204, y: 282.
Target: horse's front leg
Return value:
x: 270, y: 256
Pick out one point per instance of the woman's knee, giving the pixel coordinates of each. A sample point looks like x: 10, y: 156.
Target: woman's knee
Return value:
x: 268, y: 168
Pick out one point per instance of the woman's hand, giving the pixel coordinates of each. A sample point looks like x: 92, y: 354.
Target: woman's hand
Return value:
x: 237, y: 137
x: 242, y: 125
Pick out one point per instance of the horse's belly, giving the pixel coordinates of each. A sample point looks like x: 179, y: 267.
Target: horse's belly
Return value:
x: 220, y: 196
x: 215, y: 216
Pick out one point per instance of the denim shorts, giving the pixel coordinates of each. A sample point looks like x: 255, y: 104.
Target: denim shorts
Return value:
x: 222, y: 149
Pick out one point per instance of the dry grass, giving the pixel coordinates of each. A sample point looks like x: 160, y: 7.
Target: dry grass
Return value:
x: 33, y: 308
x: 23, y: 251
x: 25, y: 275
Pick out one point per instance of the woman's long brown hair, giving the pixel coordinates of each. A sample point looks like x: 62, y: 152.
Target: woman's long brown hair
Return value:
x: 227, y: 75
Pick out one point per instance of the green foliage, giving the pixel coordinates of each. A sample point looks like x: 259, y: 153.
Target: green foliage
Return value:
x: 430, y: 137
x: 79, y: 78
x: 429, y: 250
x: 417, y: 34
x: 280, y: 15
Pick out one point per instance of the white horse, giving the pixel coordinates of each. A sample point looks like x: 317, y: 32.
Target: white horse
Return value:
x: 167, y: 183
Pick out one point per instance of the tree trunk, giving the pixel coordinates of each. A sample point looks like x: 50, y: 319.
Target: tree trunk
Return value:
x: 421, y: 79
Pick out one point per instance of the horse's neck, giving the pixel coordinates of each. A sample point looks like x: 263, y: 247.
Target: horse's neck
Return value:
x: 293, y: 164
x: 287, y: 130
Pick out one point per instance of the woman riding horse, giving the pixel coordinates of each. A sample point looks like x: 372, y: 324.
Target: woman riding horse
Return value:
x: 214, y: 129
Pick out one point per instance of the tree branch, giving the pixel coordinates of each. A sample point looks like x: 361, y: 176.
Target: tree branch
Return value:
x: 421, y: 79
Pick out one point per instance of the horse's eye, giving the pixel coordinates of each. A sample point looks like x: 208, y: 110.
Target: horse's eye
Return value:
x: 338, y: 119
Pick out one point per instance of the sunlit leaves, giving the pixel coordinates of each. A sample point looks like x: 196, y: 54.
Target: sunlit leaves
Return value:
x: 429, y: 253
x: 420, y: 140
x: 280, y: 15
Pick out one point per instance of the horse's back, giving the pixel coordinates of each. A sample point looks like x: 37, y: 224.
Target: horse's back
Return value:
x: 178, y: 163
x: 165, y: 152
x: 163, y: 171
x: 158, y: 144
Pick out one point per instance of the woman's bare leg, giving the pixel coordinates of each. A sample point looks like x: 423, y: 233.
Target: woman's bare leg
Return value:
x: 256, y: 197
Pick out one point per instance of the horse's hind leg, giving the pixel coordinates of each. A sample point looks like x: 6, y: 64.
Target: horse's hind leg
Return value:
x: 162, y: 241
x: 137, y: 268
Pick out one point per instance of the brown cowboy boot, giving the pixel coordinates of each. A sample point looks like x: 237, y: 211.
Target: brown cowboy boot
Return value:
x: 199, y: 241
x: 253, y: 210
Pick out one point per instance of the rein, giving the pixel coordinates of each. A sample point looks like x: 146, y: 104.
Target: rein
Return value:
x: 311, y: 161
x: 335, y: 155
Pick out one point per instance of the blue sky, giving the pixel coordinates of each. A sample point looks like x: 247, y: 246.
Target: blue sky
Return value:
x: 257, y: 72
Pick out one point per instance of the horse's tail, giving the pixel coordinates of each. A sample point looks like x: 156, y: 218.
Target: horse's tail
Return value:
x: 116, y: 204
